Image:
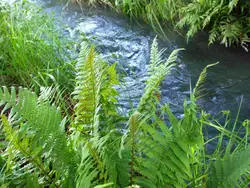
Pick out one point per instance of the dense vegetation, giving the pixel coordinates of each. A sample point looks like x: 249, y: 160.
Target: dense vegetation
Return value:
x: 227, y: 21
x: 43, y: 144
x: 33, y: 53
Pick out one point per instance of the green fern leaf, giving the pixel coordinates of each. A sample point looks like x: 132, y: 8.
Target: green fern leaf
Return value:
x: 227, y: 171
x: 35, y: 131
x: 198, y: 89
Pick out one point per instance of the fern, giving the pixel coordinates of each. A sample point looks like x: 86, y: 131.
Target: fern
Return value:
x: 157, y: 71
x: 91, y: 165
x: 95, y: 113
x: 94, y: 92
x: 100, y: 151
x: 199, y: 90
x: 160, y: 156
x: 87, y: 95
x: 53, y: 157
x: 227, y: 171
x: 224, y: 23
x: 35, y: 132
x: 231, y: 32
x: 213, y: 35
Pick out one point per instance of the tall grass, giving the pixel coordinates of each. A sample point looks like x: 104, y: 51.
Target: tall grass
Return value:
x: 156, y: 13
x: 33, y: 52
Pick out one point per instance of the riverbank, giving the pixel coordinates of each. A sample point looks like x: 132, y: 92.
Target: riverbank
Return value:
x: 61, y: 123
x: 225, y: 21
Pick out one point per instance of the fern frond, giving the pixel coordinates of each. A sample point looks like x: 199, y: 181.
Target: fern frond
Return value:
x: 161, y: 156
x: 213, y: 35
x: 232, y: 4
x: 227, y: 171
x: 157, y: 72
x: 19, y: 148
x: 100, y: 163
x: 96, y: 117
x: 35, y: 130
x: 87, y: 91
x: 94, y: 91
x: 231, y: 32
x: 199, y: 91
x: 155, y: 55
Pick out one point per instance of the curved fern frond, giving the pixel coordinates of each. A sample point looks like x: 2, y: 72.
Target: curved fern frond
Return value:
x: 96, y: 117
x: 155, y: 56
x: 87, y: 90
x: 157, y: 71
x: 199, y: 90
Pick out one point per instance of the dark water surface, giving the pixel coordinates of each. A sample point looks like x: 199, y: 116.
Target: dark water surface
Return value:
x: 120, y: 40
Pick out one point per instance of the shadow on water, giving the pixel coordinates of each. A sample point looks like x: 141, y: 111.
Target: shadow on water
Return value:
x: 118, y: 39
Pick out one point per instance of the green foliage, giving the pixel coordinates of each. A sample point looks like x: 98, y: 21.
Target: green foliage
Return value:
x: 94, y: 91
x: 151, y: 11
x: 157, y: 72
x: 96, y: 120
x: 33, y: 53
x: 157, y: 154
x: 228, y: 170
x: 199, y: 90
x: 227, y: 21
x: 96, y: 148
x: 36, y: 138
x: 42, y: 145
x: 228, y: 165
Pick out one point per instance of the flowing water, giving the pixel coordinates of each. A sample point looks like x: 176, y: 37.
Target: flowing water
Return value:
x: 128, y: 43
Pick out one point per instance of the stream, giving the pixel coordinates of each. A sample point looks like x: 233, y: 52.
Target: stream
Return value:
x: 119, y: 39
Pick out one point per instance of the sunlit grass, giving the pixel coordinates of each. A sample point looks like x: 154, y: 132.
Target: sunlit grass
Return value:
x: 33, y: 53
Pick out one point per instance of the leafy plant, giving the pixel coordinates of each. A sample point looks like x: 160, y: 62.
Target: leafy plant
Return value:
x: 226, y: 20
x: 97, y: 148
x: 37, y: 141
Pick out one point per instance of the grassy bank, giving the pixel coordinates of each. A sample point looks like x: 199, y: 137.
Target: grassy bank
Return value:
x: 33, y: 52
x: 227, y: 21
x: 42, y: 144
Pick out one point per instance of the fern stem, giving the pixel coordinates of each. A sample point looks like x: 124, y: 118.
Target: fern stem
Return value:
x: 91, y: 59
x: 25, y: 153
x: 133, y: 130
x: 95, y: 156
x: 49, y: 180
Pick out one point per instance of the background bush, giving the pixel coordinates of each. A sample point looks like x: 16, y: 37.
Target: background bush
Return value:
x: 227, y: 21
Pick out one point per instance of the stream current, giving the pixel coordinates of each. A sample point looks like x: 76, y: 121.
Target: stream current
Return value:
x: 119, y: 39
